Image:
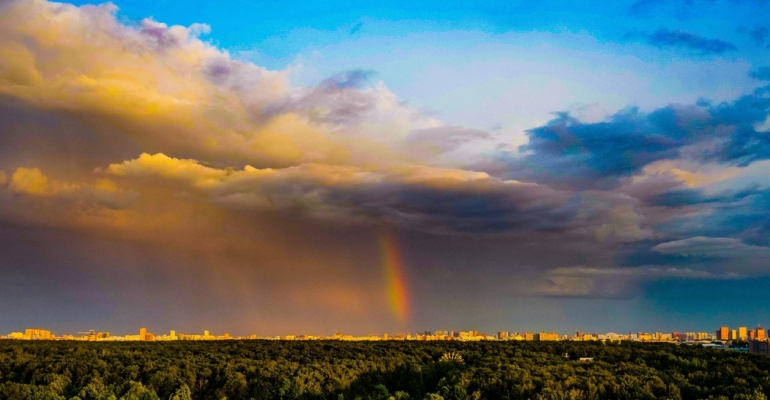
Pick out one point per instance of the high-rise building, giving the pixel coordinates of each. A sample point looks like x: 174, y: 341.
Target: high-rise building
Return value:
x: 502, y: 335
x: 142, y: 334
x: 742, y: 335
x: 37, y: 333
x: 760, y: 333
x: 529, y: 336
x: 546, y: 336
x: 733, y: 335
x: 723, y: 333
x: 759, y: 347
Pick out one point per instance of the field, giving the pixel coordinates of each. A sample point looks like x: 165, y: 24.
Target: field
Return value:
x: 236, y: 370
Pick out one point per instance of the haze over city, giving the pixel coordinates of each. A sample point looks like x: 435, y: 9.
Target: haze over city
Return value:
x: 307, y: 168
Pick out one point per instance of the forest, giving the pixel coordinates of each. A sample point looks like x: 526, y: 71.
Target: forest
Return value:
x: 257, y: 369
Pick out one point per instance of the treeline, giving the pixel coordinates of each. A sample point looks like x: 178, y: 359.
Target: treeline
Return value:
x: 235, y: 370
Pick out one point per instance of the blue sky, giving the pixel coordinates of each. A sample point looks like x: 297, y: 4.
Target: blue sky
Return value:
x: 541, y: 165
x: 495, y: 65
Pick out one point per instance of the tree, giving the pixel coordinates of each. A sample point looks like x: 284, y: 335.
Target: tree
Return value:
x: 183, y: 393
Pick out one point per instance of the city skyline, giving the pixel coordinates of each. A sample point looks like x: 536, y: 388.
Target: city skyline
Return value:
x: 321, y: 166
x: 723, y: 333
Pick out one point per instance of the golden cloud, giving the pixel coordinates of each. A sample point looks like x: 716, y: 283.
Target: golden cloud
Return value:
x: 172, y: 92
x: 32, y: 182
x: 418, y: 197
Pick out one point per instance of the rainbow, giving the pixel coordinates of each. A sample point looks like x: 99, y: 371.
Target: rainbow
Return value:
x: 398, y: 294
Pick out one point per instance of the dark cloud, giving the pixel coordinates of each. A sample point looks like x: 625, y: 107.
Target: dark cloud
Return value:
x: 745, y: 144
x: 741, y: 214
x: 690, y: 197
x: 598, y: 154
x: 440, y: 206
x: 641, y: 253
x: 569, y: 152
x: 663, y: 38
x: 748, y: 220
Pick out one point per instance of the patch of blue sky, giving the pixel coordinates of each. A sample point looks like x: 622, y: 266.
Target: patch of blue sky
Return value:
x: 492, y: 64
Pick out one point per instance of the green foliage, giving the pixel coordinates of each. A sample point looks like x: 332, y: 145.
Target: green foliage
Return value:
x: 260, y: 370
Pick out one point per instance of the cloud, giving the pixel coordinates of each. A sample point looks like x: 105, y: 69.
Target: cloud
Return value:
x: 170, y: 91
x: 353, y: 79
x: 663, y: 38
x: 623, y: 283
x: 422, y: 198
x: 442, y: 139
x: 711, y: 246
x: 762, y: 73
x: 689, y: 197
x: 254, y: 188
x: 32, y: 182
x: 599, y: 154
x: 343, y: 100
x: 355, y: 28
x: 760, y: 34
x: 570, y: 153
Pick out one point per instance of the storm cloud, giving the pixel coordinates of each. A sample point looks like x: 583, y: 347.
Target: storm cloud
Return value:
x: 140, y: 152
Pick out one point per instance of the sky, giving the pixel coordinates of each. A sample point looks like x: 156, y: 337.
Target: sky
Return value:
x: 314, y: 167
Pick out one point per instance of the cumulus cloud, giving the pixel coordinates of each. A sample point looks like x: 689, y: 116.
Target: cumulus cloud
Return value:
x: 598, y: 154
x: 569, y: 152
x: 171, y: 91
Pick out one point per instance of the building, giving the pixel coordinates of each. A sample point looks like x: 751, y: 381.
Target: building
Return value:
x: 502, y: 335
x: 529, y: 336
x: 760, y: 333
x: 723, y: 333
x: 546, y: 336
x: 742, y: 334
x: 759, y: 347
x: 37, y: 334
x: 142, y: 334
x: 733, y: 334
